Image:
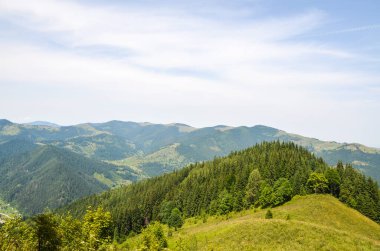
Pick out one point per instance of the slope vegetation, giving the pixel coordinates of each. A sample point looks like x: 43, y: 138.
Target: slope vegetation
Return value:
x: 38, y: 176
x: 225, y: 202
x: 266, y: 175
x: 312, y: 222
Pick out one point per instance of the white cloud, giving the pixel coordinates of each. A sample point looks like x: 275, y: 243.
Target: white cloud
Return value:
x: 174, y: 64
x: 158, y: 40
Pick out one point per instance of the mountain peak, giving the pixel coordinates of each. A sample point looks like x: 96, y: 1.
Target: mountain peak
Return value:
x: 4, y: 122
x: 42, y: 123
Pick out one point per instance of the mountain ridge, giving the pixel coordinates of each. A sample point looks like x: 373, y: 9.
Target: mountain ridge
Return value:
x: 42, y: 123
x: 123, y: 140
x: 176, y: 124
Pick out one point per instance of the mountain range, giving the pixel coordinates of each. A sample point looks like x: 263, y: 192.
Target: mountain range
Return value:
x: 99, y: 156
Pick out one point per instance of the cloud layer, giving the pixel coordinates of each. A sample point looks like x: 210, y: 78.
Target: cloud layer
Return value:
x: 72, y: 62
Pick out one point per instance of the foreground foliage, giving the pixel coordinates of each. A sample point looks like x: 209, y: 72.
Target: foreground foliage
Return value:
x: 51, y: 232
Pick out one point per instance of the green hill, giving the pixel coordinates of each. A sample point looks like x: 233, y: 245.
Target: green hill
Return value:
x: 266, y: 175
x: 313, y: 222
x: 225, y: 203
x: 38, y: 176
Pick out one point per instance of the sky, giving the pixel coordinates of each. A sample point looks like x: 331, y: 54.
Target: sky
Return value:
x: 303, y: 66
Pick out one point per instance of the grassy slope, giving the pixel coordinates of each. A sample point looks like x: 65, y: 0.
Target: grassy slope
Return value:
x: 317, y: 222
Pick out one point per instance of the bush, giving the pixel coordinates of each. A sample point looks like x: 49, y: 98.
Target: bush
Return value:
x: 175, y: 219
x: 282, y: 192
x: 269, y: 215
x: 153, y: 238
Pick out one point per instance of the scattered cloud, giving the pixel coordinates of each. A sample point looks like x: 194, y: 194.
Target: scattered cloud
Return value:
x: 169, y: 64
x: 356, y: 29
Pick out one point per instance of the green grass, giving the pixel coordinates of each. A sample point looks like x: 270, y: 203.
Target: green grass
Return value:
x: 313, y: 222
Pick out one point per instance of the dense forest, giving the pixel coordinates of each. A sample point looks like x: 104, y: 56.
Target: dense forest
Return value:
x: 40, y: 176
x: 266, y: 175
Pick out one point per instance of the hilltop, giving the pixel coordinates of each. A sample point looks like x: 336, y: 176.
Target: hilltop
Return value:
x: 312, y: 222
x: 265, y: 175
x: 42, y: 123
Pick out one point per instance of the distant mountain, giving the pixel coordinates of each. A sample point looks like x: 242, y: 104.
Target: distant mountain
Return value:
x: 102, y: 146
x: 152, y: 149
x: 38, y: 176
x: 42, y: 123
x: 4, y: 122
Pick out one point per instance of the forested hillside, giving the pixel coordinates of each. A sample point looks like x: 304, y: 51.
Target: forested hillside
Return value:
x: 131, y: 151
x: 266, y: 175
x: 232, y: 202
x: 35, y: 177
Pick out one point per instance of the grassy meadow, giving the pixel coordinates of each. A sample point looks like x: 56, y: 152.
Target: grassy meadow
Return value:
x: 313, y: 222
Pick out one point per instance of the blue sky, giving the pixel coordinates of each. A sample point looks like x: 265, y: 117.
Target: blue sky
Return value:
x: 307, y: 67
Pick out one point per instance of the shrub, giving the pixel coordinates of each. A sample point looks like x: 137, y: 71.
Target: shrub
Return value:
x: 269, y: 215
x: 175, y: 219
x: 153, y: 238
